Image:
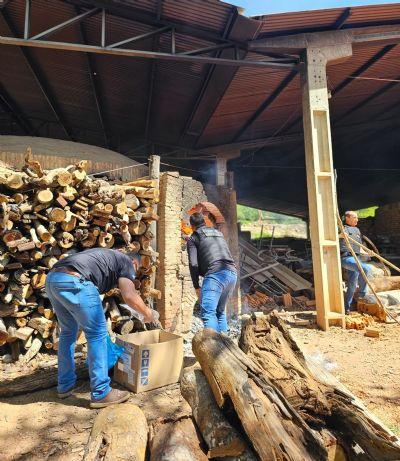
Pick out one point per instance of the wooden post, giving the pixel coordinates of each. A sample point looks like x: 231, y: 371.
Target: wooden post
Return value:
x: 321, y: 185
x: 154, y: 173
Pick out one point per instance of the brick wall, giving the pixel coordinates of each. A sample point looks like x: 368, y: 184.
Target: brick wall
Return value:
x: 177, y: 195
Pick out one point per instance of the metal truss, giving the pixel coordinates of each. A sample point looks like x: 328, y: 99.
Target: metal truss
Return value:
x: 40, y: 40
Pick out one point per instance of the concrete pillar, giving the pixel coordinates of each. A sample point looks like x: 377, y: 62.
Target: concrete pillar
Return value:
x: 321, y: 183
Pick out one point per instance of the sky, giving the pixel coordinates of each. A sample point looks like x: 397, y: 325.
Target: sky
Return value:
x: 258, y: 7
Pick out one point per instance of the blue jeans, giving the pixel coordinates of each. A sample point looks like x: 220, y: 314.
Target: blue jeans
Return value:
x: 77, y: 304
x: 215, y: 291
x: 354, y: 278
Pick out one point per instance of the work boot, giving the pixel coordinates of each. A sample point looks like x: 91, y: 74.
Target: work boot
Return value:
x: 74, y: 388
x: 114, y: 396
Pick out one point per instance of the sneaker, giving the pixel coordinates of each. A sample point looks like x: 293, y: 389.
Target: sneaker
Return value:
x: 114, y: 396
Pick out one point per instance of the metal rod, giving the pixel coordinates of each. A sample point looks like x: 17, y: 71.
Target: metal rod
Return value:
x: 376, y: 255
x: 27, y: 24
x: 103, y: 28
x: 138, y: 53
x: 173, y: 45
x: 207, y: 49
x: 65, y: 24
x: 140, y: 37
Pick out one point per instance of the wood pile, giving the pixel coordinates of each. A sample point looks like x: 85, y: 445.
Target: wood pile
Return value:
x: 45, y: 215
x: 358, y: 321
x: 267, y: 401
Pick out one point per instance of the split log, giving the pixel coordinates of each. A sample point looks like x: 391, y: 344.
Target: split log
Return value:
x: 65, y: 240
x: 322, y: 402
x: 42, y: 325
x: 177, y: 441
x: 44, y: 196
x: 220, y: 436
x: 69, y: 224
x: 56, y: 214
x: 137, y: 228
x: 276, y: 430
x: 3, y: 332
x: 24, y: 333
x: 119, y: 433
x: 17, y: 180
x: 34, y: 349
x: 38, y: 281
x: 132, y: 201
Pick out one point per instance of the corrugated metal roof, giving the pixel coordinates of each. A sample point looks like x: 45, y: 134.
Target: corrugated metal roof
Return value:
x: 180, y: 92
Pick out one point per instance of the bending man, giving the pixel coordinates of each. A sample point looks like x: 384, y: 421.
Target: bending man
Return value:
x: 209, y: 257
x: 74, y: 286
x: 348, y: 262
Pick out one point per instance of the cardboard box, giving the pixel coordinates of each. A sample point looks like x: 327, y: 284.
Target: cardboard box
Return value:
x: 151, y: 359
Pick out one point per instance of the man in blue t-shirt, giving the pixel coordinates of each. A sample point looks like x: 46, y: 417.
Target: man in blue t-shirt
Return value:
x: 74, y: 286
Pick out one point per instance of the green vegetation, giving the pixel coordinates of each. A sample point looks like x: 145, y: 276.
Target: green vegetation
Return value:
x: 248, y: 215
x: 367, y: 212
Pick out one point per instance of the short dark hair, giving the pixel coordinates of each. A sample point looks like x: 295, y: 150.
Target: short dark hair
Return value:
x: 197, y: 220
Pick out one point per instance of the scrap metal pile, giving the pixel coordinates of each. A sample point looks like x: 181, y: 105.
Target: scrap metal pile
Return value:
x: 44, y: 216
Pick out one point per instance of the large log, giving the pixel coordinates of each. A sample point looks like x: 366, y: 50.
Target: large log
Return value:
x: 177, y: 441
x: 385, y: 283
x: 43, y: 377
x: 321, y: 403
x: 220, y: 436
x: 274, y: 427
x: 119, y: 433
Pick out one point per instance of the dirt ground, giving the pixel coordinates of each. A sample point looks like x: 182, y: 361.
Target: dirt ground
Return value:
x: 38, y: 427
x: 369, y: 367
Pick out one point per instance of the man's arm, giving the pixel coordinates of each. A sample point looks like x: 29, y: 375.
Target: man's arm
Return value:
x: 193, y: 264
x: 133, y: 299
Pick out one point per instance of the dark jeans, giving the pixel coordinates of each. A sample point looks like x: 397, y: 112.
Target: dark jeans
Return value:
x: 215, y: 292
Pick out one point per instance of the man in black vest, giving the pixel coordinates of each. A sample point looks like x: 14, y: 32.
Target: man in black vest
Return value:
x: 209, y: 257
x: 349, y: 263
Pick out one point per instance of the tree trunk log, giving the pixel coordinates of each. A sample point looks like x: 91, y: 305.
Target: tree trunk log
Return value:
x: 119, y: 433
x: 43, y: 377
x: 220, y: 436
x: 321, y: 403
x: 385, y: 283
x: 276, y: 430
x: 176, y: 441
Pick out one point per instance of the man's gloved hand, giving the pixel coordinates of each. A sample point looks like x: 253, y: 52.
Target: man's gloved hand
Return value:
x: 154, y: 323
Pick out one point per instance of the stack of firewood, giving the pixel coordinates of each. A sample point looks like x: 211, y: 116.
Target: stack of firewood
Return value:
x: 44, y: 216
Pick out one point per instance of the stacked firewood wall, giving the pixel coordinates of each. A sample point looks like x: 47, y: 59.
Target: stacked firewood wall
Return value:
x: 46, y: 215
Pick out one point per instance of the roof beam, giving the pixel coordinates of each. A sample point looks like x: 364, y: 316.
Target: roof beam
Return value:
x: 39, y: 77
x: 76, y: 19
x: 376, y: 57
x: 370, y: 98
x: 94, y: 76
x: 217, y: 79
x: 339, y: 23
x: 67, y: 46
x: 384, y: 34
x: 271, y: 98
x: 11, y: 108
x: 138, y: 38
x: 135, y: 14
